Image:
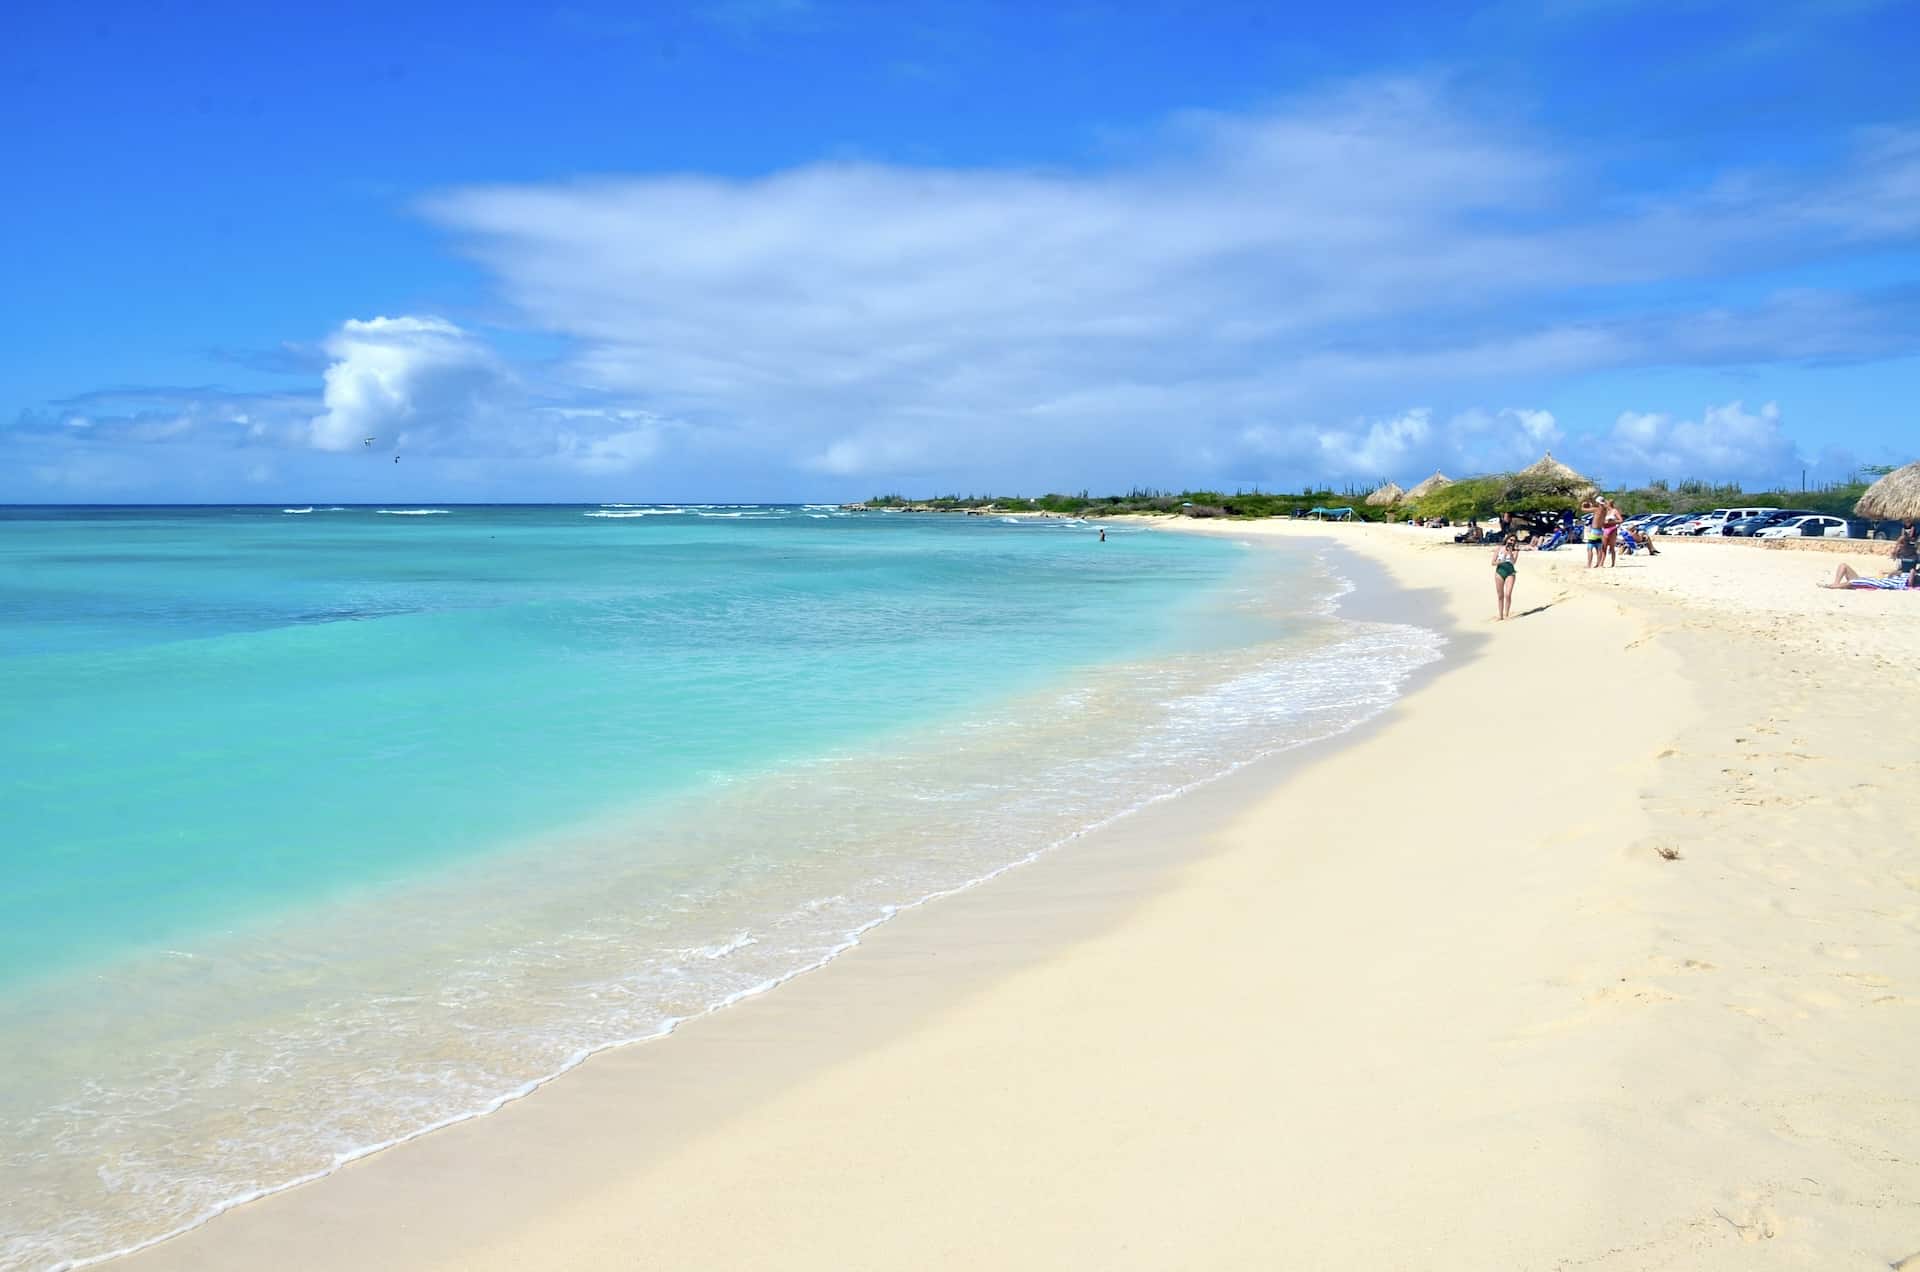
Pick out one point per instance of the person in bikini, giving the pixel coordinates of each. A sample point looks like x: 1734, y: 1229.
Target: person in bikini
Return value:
x: 1846, y: 578
x: 1506, y: 567
x: 1608, y: 517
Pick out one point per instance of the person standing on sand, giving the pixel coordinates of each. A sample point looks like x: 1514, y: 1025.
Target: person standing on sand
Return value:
x: 1610, y: 517
x: 1591, y: 507
x: 1506, y: 568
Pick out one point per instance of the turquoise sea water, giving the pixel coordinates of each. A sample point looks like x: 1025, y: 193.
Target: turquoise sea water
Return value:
x: 322, y: 827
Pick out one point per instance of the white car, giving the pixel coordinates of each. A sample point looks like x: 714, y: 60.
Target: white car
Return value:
x: 1716, y: 522
x: 1700, y: 523
x: 1815, y: 526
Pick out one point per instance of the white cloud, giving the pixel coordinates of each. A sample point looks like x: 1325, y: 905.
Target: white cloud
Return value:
x: 1255, y: 295
x: 1411, y: 444
x: 867, y: 454
x: 405, y: 379
x: 603, y: 442
x: 1320, y: 260
x: 1727, y: 443
x: 425, y: 386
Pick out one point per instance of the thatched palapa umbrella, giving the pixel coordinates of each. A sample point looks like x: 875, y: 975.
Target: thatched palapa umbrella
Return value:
x: 1549, y: 479
x: 1895, y: 497
x: 1430, y: 485
x: 1386, y: 495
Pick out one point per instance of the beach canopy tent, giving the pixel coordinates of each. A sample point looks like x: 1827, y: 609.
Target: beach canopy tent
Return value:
x: 1430, y: 485
x: 1386, y: 496
x: 1895, y: 497
x: 1338, y: 514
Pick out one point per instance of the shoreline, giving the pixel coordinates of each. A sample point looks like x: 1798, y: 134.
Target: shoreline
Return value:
x: 1366, y: 599
x: 1091, y: 1076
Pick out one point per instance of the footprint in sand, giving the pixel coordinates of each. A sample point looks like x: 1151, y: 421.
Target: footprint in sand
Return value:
x: 1627, y: 994
x: 1758, y: 1226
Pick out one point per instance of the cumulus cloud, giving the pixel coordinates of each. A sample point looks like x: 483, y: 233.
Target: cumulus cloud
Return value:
x: 1410, y: 444
x: 418, y: 385
x: 403, y: 379
x: 426, y: 386
x: 1727, y: 443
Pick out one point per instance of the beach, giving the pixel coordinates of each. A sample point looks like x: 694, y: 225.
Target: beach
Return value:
x: 1597, y: 950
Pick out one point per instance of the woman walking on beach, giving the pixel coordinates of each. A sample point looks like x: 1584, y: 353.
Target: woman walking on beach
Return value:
x: 1506, y: 567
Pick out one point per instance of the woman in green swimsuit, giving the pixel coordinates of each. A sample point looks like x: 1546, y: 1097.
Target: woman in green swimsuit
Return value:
x: 1505, y: 569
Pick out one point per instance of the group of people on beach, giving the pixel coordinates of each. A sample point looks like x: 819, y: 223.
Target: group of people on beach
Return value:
x: 1604, y: 530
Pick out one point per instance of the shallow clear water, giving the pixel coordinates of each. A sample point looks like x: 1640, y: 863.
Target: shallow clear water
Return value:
x: 325, y: 827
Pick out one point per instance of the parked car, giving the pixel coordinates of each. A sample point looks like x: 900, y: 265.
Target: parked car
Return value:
x: 1753, y: 525
x: 1701, y: 522
x: 1742, y: 514
x: 1813, y: 525
x: 1717, y: 521
x: 1669, y: 522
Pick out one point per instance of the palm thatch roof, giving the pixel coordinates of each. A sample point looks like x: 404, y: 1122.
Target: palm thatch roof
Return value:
x: 1387, y: 494
x: 1430, y: 485
x: 1549, y: 479
x: 1894, y: 497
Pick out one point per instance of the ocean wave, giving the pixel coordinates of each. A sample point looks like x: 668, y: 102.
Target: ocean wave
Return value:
x: 296, y: 511
x: 411, y: 512
x: 636, y: 512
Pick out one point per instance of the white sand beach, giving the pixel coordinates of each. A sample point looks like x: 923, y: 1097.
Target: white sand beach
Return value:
x: 1601, y: 950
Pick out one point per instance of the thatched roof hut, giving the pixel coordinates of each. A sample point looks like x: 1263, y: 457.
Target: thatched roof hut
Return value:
x: 1387, y: 495
x: 1549, y: 480
x: 1894, y: 497
x: 1430, y: 485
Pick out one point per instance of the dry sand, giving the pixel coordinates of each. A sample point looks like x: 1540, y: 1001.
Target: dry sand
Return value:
x: 1434, y: 999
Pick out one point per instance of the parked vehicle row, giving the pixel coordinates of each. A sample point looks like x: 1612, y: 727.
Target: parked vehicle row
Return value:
x: 1762, y: 523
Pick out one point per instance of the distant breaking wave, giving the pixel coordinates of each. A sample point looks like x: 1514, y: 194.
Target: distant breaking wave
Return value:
x: 412, y: 512
x: 296, y: 511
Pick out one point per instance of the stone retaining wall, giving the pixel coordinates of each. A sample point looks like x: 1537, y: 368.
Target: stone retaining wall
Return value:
x: 1858, y: 547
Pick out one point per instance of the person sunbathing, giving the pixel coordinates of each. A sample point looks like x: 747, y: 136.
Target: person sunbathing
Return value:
x: 1846, y: 578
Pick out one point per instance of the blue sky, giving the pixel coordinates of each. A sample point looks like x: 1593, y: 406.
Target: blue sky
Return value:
x: 810, y: 249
